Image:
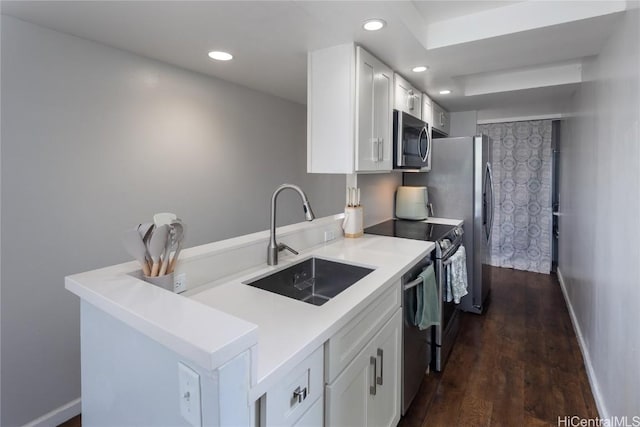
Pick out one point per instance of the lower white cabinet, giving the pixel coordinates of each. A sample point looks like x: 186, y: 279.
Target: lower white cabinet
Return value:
x: 367, y: 392
x: 295, y: 400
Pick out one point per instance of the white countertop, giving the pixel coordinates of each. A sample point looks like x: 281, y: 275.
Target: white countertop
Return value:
x: 285, y: 330
x: 290, y: 330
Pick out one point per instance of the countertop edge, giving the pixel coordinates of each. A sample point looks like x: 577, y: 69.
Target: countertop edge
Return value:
x: 206, y: 350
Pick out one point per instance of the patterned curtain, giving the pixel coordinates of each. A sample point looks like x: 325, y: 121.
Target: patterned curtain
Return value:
x: 521, y: 161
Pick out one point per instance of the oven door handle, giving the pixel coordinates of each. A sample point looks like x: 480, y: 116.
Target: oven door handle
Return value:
x: 412, y: 284
x: 453, y: 248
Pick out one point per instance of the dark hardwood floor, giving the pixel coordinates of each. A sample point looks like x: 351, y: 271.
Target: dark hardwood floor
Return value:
x: 517, y: 364
x: 73, y: 422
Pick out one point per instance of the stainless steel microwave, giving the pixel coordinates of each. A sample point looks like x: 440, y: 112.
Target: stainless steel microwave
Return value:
x: 411, y: 143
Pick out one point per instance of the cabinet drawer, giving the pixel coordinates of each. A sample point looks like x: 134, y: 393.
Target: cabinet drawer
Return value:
x: 285, y: 403
x: 345, y: 345
x: 314, y: 416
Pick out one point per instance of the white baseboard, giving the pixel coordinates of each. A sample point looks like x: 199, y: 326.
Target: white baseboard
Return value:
x: 593, y: 381
x: 58, y: 415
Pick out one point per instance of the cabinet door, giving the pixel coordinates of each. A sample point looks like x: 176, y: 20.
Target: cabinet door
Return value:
x: 427, y: 112
x: 367, y: 392
x: 383, y: 115
x: 407, y: 98
x: 347, y: 398
x: 440, y: 119
x: 373, y: 106
x: 367, y: 154
x: 384, y: 406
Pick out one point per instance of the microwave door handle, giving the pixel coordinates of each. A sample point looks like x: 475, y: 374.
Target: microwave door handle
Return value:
x: 423, y: 157
x: 429, y: 142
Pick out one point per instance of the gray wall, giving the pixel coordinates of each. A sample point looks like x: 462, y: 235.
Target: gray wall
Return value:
x: 599, y: 222
x: 95, y: 140
x: 463, y: 123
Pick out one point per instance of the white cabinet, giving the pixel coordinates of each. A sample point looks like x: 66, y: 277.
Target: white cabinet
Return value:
x: 294, y: 401
x: 427, y: 111
x: 440, y: 119
x: 367, y: 392
x: 362, y: 366
x: 349, y: 111
x: 406, y: 97
x: 373, y: 105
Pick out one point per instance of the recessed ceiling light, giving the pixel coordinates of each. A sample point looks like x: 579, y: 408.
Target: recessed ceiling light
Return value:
x: 220, y: 56
x: 445, y: 92
x: 374, y: 24
x: 419, y: 69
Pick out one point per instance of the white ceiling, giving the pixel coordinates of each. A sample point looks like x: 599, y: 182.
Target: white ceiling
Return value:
x: 270, y: 39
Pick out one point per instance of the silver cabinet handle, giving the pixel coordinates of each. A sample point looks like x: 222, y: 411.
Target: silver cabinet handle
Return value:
x: 380, y: 149
x: 300, y: 394
x: 381, y: 356
x: 375, y: 150
x: 373, y: 361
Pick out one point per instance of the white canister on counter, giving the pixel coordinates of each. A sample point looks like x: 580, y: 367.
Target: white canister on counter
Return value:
x: 353, y: 223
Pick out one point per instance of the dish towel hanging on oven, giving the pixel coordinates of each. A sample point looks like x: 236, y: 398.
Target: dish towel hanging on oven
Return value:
x: 456, y: 276
x: 428, y: 308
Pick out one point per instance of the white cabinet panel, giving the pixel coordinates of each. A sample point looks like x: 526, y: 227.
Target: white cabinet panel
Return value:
x: 407, y: 98
x: 441, y: 119
x: 349, y: 111
x: 384, y: 408
x: 285, y: 403
x: 314, y: 417
x: 427, y: 110
x: 350, y: 340
x: 367, y: 392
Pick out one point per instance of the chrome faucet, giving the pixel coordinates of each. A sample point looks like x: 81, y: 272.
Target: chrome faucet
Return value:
x: 274, y: 247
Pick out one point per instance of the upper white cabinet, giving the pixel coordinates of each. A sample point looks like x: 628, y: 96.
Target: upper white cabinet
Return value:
x: 407, y: 98
x: 349, y: 111
x: 441, y: 119
x: 427, y: 111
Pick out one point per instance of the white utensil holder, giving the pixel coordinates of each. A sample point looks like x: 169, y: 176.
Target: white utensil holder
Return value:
x: 353, y: 224
x: 164, y: 282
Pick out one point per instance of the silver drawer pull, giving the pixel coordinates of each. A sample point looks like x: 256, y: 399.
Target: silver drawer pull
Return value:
x: 381, y: 356
x: 299, y: 394
x: 373, y: 361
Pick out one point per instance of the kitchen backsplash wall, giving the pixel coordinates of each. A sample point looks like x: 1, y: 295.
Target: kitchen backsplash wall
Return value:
x: 378, y: 196
x: 95, y: 140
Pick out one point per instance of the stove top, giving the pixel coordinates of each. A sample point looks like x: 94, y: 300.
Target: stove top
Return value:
x: 416, y: 230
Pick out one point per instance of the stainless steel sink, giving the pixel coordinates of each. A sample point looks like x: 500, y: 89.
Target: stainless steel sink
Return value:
x: 314, y: 280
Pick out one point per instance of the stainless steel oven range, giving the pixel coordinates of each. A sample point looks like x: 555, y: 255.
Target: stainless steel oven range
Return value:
x: 433, y: 345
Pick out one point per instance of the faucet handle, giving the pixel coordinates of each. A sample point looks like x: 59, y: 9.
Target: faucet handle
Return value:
x: 282, y: 246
